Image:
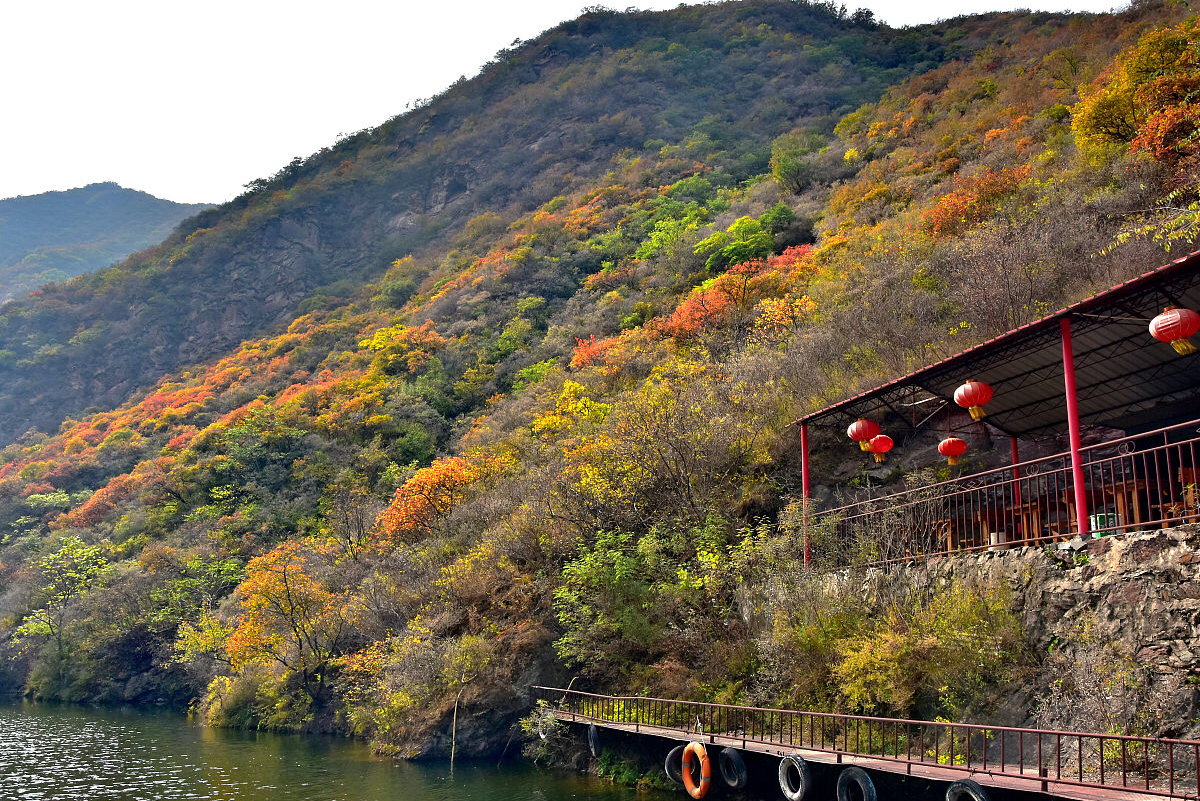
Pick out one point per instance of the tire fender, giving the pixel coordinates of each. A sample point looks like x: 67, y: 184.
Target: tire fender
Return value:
x: 733, y: 768
x: 673, y: 765
x: 966, y: 790
x: 855, y: 776
x: 794, y: 765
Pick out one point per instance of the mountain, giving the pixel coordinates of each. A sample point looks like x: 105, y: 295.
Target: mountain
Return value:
x: 500, y: 392
x: 57, y: 235
x: 542, y: 120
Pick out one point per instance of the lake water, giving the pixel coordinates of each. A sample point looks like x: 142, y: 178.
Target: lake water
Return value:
x: 59, y: 752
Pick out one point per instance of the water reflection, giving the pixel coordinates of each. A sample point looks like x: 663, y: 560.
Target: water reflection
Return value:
x: 55, y: 753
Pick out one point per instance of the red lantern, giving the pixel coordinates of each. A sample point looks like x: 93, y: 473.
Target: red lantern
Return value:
x: 879, y: 445
x: 861, y: 431
x: 971, y: 396
x: 1175, y: 325
x: 952, y: 448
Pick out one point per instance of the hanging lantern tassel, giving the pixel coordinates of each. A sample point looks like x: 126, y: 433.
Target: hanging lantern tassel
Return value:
x: 861, y: 431
x: 1176, y: 326
x: 880, y: 445
x: 952, y: 448
x: 971, y: 396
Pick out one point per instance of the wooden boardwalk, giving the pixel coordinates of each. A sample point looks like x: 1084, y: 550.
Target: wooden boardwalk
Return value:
x: 1124, y: 768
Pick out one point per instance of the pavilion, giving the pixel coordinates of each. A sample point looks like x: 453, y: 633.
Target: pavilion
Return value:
x: 1090, y: 367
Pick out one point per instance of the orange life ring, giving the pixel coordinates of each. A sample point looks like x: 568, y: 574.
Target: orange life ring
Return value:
x: 696, y: 790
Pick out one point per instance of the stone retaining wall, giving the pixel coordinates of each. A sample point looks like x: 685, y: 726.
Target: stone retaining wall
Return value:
x: 1139, y: 591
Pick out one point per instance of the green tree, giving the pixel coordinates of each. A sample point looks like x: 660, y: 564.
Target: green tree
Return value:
x: 199, y: 588
x: 603, y: 602
x: 777, y: 218
x: 746, y: 239
x: 63, y: 577
x: 792, y: 164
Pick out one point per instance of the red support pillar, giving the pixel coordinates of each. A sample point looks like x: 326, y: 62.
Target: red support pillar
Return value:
x: 1081, y: 505
x: 1016, y: 473
x: 805, y: 492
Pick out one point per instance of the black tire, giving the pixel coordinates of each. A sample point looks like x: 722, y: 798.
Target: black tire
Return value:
x: 673, y: 766
x: 854, y: 776
x: 798, y: 790
x: 593, y: 739
x: 966, y: 789
x: 733, y: 768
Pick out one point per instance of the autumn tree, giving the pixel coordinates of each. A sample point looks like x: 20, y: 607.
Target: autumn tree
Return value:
x: 1150, y: 102
x: 427, y: 497
x: 288, y: 617
x: 590, y: 352
x: 676, y: 448
x: 1149, y: 91
x: 973, y: 200
x: 402, y: 349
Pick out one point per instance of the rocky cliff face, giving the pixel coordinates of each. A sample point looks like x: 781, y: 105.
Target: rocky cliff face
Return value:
x: 1131, y: 600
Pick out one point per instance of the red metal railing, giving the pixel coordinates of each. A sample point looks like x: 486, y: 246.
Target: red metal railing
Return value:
x: 1133, y: 483
x: 1042, y: 758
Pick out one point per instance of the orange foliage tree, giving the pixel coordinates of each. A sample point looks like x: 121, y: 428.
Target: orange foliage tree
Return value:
x: 730, y: 298
x: 288, y: 617
x: 103, y: 503
x: 973, y: 200
x: 427, y: 497
x: 589, y: 352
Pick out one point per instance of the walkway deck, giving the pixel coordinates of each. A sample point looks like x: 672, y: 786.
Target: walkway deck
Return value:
x: 1072, y: 765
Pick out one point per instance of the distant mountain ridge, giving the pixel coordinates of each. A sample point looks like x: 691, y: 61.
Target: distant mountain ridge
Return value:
x: 54, y: 236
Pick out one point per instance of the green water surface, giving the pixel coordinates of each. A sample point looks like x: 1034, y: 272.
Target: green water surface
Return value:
x: 71, y: 753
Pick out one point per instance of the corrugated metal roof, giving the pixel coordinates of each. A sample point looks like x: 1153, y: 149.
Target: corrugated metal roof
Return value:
x: 1124, y: 378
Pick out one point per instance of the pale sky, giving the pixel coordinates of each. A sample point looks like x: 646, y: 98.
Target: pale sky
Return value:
x: 189, y: 101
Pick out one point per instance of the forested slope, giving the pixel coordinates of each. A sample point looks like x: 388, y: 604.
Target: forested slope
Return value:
x: 551, y: 438
x: 542, y: 119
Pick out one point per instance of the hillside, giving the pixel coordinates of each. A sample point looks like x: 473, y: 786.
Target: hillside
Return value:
x: 59, y: 235
x: 528, y: 420
x: 543, y: 120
